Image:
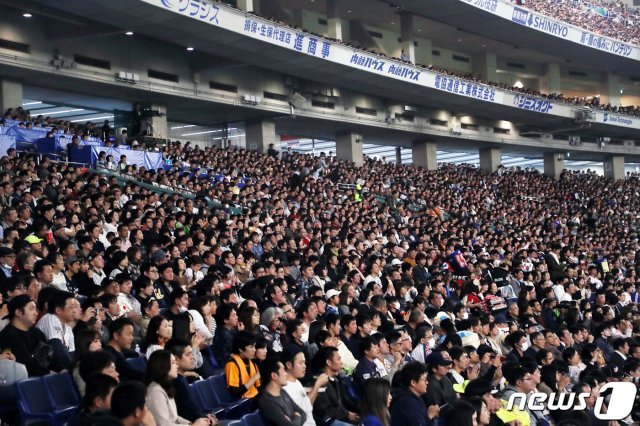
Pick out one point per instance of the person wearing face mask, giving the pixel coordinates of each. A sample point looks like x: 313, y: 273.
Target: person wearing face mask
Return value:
x: 518, y: 341
x: 179, y: 300
x: 502, y: 331
x: 426, y: 343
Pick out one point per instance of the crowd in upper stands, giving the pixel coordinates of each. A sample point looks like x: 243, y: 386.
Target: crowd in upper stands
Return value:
x: 613, y: 19
x: 315, y: 291
x: 551, y: 8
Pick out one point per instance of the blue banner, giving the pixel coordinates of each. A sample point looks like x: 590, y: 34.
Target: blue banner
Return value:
x: 147, y: 159
x: 6, y: 142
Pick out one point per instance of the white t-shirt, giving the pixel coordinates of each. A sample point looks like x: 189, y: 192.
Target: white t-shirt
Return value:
x: 59, y: 281
x: 299, y: 396
x: 52, y: 328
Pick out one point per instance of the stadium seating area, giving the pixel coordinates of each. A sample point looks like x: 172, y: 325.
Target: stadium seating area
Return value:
x: 235, y: 287
x: 405, y: 250
x: 608, y: 18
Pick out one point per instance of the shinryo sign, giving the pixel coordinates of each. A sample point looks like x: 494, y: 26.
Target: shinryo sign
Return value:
x: 619, y: 407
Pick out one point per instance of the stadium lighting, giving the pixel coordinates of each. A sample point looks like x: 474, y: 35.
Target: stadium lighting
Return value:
x: 129, y: 33
x: 27, y: 15
x: 190, y: 49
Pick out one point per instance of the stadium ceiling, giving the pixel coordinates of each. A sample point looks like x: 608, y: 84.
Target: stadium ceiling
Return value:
x: 385, y: 15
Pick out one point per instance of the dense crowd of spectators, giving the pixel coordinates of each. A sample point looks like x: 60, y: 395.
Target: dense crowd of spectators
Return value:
x: 326, y: 293
x: 609, y: 18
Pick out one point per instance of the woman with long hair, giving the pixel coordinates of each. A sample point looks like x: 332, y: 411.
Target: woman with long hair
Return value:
x: 184, y: 328
x: 376, y: 399
x: 482, y: 417
x: 87, y: 340
x: 250, y: 318
x: 205, y: 307
x: 461, y: 414
x: 162, y: 370
x: 158, y: 334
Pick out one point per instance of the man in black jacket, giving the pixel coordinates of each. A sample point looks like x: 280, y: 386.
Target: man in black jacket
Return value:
x: 407, y: 407
x: 27, y: 343
x: 440, y: 386
x: 328, y: 404
x: 552, y: 259
x: 187, y: 406
x: 121, y: 332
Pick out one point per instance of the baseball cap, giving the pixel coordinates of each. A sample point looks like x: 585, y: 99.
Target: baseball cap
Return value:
x: 5, y: 251
x: 331, y: 293
x: 33, y: 239
x: 436, y: 358
x: 396, y: 262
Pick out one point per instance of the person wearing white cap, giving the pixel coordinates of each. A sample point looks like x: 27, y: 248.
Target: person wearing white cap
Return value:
x: 332, y: 298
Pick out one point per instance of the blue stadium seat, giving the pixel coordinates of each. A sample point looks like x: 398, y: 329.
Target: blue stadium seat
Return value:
x: 352, y: 389
x: 253, y: 419
x: 138, y: 363
x: 37, y: 406
x: 208, y: 354
x: 236, y: 408
x: 202, y: 394
x: 62, y: 390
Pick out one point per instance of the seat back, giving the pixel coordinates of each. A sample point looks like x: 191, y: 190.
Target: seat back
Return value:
x: 208, y: 354
x: 62, y: 390
x: 219, y: 383
x: 138, y: 363
x: 253, y: 419
x: 33, y: 397
x: 207, y: 393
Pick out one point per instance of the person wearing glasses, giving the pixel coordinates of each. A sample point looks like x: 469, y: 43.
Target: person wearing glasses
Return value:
x: 7, y: 260
x: 270, y: 324
x: 520, y: 381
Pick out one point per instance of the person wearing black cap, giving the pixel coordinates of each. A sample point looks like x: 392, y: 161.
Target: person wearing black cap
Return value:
x: 408, y: 407
x: 440, y: 386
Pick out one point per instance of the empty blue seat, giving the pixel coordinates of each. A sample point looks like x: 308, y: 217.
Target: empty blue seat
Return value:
x: 37, y: 406
x: 253, y: 419
x: 235, y: 407
x: 62, y: 390
x: 138, y: 363
x: 202, y: 393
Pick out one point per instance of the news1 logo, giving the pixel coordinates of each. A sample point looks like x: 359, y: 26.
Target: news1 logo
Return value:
x: 623, y: 396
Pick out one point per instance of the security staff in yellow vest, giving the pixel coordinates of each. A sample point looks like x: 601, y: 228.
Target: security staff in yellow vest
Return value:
x: 243, y: 377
